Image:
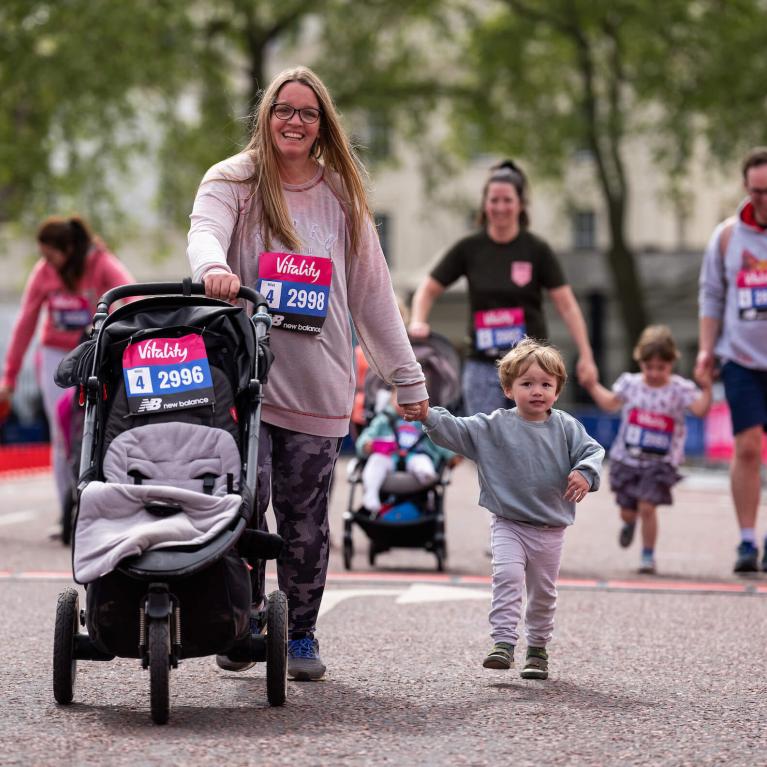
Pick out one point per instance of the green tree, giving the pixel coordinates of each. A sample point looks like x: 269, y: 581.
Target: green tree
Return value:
x: 554, y: 77
x: 75, y: 77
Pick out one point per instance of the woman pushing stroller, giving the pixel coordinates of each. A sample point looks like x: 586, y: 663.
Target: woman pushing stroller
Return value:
x: 289, y: 216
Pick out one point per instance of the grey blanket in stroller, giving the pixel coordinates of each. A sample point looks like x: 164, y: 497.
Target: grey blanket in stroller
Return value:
x: 167, y: 485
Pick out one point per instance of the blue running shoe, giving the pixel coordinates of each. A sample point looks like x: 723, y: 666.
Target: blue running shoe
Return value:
x: 747, y: 561
x: 304, y: 662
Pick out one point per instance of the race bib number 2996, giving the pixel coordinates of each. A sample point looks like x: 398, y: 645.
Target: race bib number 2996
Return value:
x: 162, y: 374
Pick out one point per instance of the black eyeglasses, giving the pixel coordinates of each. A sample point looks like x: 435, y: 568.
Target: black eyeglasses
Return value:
x: 285, y: 112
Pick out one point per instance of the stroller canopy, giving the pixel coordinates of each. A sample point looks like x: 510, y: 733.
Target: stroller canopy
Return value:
x: 441, y: 366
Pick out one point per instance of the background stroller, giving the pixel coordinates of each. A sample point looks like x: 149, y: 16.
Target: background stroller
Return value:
x: 425, y: 526
x: 172, y: 386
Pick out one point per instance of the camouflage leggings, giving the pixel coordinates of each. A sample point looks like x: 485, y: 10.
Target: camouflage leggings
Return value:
x: 296, y: 470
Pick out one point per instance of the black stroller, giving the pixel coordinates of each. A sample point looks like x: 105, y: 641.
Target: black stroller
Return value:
x: 173, y: 388
x: 424, y: 526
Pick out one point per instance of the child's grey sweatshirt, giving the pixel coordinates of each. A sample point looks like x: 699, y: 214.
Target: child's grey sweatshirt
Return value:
x: 523, y: 465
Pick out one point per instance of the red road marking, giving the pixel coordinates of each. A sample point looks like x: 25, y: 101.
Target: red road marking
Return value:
x: 575, y: 584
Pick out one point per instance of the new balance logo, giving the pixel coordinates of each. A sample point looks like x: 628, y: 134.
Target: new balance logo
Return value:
x: 153, y: 403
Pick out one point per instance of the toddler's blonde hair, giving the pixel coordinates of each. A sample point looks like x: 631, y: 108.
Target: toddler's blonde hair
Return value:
x: 516, y: 362
x: 656, y: 341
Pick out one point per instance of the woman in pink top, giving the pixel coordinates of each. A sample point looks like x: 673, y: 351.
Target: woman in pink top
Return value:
x: 289, y: 216
x: 74, y: 270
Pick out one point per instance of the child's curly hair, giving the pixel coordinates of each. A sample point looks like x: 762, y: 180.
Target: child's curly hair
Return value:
x: 525, y: 353
x: 656, y: 341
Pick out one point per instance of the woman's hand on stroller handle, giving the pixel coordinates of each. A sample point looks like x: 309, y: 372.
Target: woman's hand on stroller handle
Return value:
x: 222, y: 285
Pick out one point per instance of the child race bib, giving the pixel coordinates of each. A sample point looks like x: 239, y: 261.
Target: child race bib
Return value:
x: 297, y: 289
x: 752, y: 294
x: 648, y: 434
x: 498, y: 329
x: 69, y: 311
x: 163, y: 374
x: 408, y: 435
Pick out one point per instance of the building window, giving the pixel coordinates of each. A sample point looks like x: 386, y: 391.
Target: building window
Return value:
x: 584, y: 230
x: 377, y: 137
x: 383, y: 227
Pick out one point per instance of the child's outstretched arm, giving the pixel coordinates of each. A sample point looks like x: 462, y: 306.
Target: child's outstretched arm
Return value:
x: 702, y: 404
x: 449, y: 431
x: 605, y: 399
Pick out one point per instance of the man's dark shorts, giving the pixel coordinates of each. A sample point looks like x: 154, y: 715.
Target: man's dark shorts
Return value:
x: 650, y: 483
x: 746, y: 393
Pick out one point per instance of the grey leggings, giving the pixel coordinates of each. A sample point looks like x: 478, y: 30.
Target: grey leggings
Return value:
x: 296, y: 470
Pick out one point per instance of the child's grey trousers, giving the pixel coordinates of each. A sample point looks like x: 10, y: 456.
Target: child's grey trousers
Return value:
x: 524, y: 554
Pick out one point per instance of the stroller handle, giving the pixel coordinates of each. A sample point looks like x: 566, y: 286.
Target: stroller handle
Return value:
x: 185, y: 288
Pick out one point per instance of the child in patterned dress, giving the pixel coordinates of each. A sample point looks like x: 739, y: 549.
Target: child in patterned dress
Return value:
x: 649, y: 445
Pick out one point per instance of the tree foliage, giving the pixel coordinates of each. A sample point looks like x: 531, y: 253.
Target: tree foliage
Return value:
x: 75, y: 78
x: 554, y: 77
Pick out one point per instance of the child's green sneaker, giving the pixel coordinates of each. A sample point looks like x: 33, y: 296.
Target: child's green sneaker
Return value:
x: 501, y: 656
x: 536, y: 664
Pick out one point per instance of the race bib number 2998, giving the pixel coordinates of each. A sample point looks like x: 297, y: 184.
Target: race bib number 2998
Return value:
x: 162, y: 374
x: 297, y: 289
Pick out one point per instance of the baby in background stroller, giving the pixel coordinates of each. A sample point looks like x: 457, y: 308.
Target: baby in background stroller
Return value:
x: 391, y: 443
x: 412, y: 512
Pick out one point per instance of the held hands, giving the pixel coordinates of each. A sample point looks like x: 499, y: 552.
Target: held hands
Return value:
x: 577, y: 487
x: 222, y: 285
x: 704, y: 369
x: 586, y: 372
x: 414, y: 411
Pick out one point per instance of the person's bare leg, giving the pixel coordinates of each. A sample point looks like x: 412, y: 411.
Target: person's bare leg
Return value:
x: 745, y: 479
x: 649, y: 517
x: 629, y: 515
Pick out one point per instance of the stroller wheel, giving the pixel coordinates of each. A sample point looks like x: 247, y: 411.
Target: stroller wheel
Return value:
x: 348, y: 553
x: 64, y: 661
x: 277, y: 648
x: 441, y: 554
x: 159, y: 670
x: 372, y: 551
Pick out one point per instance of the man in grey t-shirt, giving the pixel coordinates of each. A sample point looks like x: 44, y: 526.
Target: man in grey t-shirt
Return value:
x: 733, y: 326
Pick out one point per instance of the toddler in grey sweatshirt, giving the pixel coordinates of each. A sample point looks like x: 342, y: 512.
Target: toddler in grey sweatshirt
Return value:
x: 534, y: 464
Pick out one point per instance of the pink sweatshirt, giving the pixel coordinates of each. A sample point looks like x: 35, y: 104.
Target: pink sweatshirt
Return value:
x: 311, y: 384
x: 67, y: 312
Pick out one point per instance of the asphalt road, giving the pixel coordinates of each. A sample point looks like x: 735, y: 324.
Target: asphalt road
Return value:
x: 646, y: 670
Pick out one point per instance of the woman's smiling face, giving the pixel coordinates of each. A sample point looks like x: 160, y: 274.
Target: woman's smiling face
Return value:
x: 294, y: 138
x: 502, y: 205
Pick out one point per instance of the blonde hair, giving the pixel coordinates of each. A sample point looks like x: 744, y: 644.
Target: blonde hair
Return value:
x: 528, y: 351
x: 656, y: 341
x: 332, y: 145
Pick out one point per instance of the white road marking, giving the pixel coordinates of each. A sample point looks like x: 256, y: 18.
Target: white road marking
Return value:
x: 428, y: 592
x: 17, y: 516
x: 415, y: 594
x: 331, y: 597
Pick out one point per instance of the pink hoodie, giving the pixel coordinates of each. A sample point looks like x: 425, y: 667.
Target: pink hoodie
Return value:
x: 311, y: 385
x: 67, y: 312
